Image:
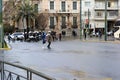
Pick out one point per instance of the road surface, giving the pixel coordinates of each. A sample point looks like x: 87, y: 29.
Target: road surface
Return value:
x: 68, y: 60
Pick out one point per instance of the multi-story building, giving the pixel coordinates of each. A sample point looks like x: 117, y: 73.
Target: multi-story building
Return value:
x: 96, y: 16
x: 93, y: 11
x: 65, y: 14
x: 113, y: 9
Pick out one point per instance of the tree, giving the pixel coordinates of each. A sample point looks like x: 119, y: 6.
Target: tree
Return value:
x: 26, y: 13
x: 8, y: 28
x: 9, y: 11
x: 42, y: 21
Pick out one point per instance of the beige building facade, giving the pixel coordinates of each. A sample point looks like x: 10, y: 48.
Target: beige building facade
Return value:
x: 63, y: 14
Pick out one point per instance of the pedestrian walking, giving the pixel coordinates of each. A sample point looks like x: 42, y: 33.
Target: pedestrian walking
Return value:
x: 53, y: 34
x: 49, y: 40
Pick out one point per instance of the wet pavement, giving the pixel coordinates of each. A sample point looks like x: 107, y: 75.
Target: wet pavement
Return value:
x: 68, y: 60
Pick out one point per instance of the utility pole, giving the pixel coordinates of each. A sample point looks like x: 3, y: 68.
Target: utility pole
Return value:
x: 105, y: 29
x: 88, y: 20
x: 80, y: 19
x: 1, y: 27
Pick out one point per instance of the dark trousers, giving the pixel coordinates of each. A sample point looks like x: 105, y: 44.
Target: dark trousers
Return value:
x: 49, y: 43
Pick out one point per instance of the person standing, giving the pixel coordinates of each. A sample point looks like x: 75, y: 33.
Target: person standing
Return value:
x: 85, y: 34
x: 100, y: 34
x: 9, y: 38
x: 43, y: 38
x: 59, y: 36
x: 74, y: 34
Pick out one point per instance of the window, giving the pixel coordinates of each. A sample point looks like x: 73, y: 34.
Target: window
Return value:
x: 74, y: 20
x: 87, y: 4
x: 86, y: 13
x: 51, y: 5
x: 117, y: 23
x: 89, y: 13
x: 113, y: 4
x: 63, y: 26
x: 63, y: 20
x: 74, y: 5
x: 51, y: 22
x: 113, y: 13
x: 109, y: 4
x: 63, y: 6
x: 99, y: 14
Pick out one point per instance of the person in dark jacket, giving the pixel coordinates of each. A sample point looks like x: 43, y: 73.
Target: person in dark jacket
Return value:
x: 43, y: 38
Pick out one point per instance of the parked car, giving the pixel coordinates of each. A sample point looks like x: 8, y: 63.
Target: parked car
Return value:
x: 94, y: 34
x: 17, y: 36
x: 34, y: 36
x: 110, y: 33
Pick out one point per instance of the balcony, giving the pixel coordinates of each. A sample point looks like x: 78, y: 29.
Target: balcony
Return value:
x: 64, y: 11
x: 102, y: 7
x: 103, y: 17
x: 111, y: 15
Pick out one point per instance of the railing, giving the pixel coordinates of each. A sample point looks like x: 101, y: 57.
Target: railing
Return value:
x: 17, y: 72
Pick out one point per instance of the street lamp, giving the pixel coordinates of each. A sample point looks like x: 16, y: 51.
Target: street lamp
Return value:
x: 88, y: 23
x: 80, y: 19
x: 88, y: 19
x: 1, y: 27
x: 105, y: 31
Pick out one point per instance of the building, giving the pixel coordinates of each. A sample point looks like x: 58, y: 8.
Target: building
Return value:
x: 64, y: 15
x: 113, y: 9
x: 94, y: 10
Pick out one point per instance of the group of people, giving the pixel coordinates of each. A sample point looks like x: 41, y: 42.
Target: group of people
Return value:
x: 46, y: 37
x: 98, y: 34
x: 52, y: 36
x: 49, y: 37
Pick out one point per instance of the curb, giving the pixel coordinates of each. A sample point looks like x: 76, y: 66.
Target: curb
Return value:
x: 115, y: 41
x: 8, y: 47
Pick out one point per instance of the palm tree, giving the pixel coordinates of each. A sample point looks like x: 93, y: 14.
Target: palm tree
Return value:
x: 26, y: 13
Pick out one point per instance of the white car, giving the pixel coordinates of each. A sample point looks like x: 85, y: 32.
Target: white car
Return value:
x: 110, y: 33
x: 94, y: 34
x: 17, y: 36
